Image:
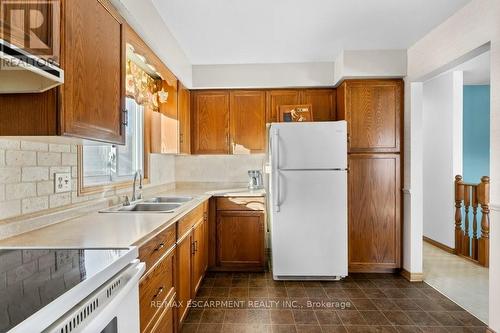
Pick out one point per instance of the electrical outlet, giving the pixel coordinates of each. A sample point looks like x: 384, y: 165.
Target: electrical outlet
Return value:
x: 62, y: 182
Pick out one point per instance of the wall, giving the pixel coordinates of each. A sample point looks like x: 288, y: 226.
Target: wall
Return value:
x: 370, y: 64
x: 27, y: 176
x: 442, y: 153
x: 216, y: 168
x: 461, y: 35
x: 263, y: 75
x: 476, y: 133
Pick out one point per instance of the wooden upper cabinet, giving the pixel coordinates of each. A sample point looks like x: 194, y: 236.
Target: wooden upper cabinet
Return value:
x: 373, y: 109
x: 374, y: 212
x: 165, y: 123
x: 322, y: 101
x: 210, y: 122
x: 184, y: 107
x: 248, y: 121
x: 275, y: 98
x: 93, y: 94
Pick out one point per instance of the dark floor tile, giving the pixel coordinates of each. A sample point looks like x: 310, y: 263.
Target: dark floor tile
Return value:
x: 210, y: 328
x: 445, y: 319
x: 374, y: 318
x: 194, y: 316
x: 397, y: 318
x: 351, y: 317
x: 348, y: 285
x: 432, y: 293
x: 420, y: 318
x: 258, y: 292
x: 371, y: 329
x: 413, y: 293
x: 239, y: 316
x: 296, y: 292
x: 466, y: 318
x: 448, y: 305
x: 335, y: 293
x: 257, y: 283
x: 364, y: 304
x: 283, y: 328
x: 385, y: 304
x: 239, y: 282
x: 433, y: 329
x: 259, y: 316
x: 238, y: 292
x: 281, y: 317
x: 304, y: 317
x: 189, y: 328
x: 294, y: 284
x: 212, y: 316
x: 312, y: 284
x: 406, y: 304
x: 277, y: 292
x: 407, y: 329
x: 354, y: 293
x: 327, y: 317
x: 394, y: 293
x: 365, y: 284
x: 222, y: 282
x: 428, y: 305
x: 204, y: 292
x: 308, y: 329
x: 220, y: 292
x: 463, y: 329
x: 382, y: 283
x: 333, y: 329
x: 374, y: 293
x: 315, y: 292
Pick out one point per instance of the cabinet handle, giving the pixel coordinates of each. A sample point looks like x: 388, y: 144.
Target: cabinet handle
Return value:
x: 192, y: 248
x: 159, y: 247
x: 125, y: 117
x: 160, y: 290
x: 195, y: 246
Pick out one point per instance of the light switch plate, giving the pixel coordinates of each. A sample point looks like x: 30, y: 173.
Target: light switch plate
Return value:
x: 62, y: 182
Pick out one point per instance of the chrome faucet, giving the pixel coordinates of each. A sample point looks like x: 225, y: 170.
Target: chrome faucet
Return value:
x: 134, y: 196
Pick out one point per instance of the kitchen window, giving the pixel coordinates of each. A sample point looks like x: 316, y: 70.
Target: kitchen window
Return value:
x: 104, y: 164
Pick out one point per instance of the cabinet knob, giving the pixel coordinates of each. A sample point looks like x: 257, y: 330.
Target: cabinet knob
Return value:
x: 159, y: 247
x: 160, y: 290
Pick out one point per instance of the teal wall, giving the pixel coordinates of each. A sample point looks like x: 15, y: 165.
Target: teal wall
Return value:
x: 476, y: 138
x: 476, y: 133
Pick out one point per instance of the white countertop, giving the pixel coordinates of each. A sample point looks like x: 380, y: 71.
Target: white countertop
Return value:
x: 98, y: 230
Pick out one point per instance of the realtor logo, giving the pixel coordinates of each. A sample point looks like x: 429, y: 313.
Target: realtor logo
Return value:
x: 31, y: 25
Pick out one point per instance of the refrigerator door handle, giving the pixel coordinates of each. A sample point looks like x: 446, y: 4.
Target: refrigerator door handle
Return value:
x: 276, y: 169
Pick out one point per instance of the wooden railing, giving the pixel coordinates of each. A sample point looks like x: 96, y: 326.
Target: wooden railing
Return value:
x: 470, y: 197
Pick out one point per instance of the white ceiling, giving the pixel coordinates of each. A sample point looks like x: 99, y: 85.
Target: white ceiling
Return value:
x: 282, y: 31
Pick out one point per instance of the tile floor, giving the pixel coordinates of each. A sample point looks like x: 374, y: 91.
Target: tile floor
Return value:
x: 241, y: 302
x: 462, y: 281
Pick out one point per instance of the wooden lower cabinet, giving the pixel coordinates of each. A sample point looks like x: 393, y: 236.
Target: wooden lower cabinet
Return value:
x: 155, y: 289
x: 166, y: 321
x: 240, y: 240
x: 184, y: 269
x: 199, y: 255
x: 374, y: 212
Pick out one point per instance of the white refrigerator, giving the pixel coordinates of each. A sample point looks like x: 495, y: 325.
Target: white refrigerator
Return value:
x: 307, y: 193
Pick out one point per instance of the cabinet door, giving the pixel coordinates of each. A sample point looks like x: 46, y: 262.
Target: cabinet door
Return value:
x: 374, y: 212
x: 198, y: 255
x: 184, y: 105
x: 184, y: 267
x: 322, y: 101
x: 275, y: 98
x: 210, y: 130
x: 248, y: 121
x: 165, y: 124
x: 373, y: 111
x: 94, y: 64
x: 240, y: 239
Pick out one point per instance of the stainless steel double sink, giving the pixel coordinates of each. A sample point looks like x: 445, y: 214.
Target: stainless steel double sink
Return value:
x: 157, y: 204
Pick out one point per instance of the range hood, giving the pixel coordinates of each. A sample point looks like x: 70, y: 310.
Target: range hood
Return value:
x: 21, y: 72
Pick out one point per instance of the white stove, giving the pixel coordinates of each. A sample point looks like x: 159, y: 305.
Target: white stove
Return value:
x: 69, y: 290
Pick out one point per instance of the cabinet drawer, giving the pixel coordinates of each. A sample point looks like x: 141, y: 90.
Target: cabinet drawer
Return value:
x: 153, y: 249
x: 165, y: 323
x: 155, y: 287
x: 241, y: 203
x: 187, y: 222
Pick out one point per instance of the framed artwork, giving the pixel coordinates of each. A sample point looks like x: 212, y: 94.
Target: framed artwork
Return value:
x: 295, y: 113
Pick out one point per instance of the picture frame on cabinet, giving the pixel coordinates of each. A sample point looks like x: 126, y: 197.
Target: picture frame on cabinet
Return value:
x: 295, y: 113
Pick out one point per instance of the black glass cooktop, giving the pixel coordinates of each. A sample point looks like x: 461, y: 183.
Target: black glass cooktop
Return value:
x: 32, y: 278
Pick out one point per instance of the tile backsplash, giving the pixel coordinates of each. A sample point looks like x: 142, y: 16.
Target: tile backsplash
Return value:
x: 27, y: 174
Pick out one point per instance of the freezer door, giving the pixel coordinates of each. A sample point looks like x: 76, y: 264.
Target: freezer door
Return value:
x: 309, y: 230
x: 320, y: 145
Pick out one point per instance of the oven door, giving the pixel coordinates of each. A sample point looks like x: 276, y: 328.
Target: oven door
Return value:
x: 113, y: 308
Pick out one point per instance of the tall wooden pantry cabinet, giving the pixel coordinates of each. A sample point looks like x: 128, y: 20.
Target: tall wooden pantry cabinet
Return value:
x: 373, y: 110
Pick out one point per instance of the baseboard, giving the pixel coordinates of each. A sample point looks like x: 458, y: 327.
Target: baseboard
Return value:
x: 412, y: 277
x: 489, y: 330
x: 439, y: 245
